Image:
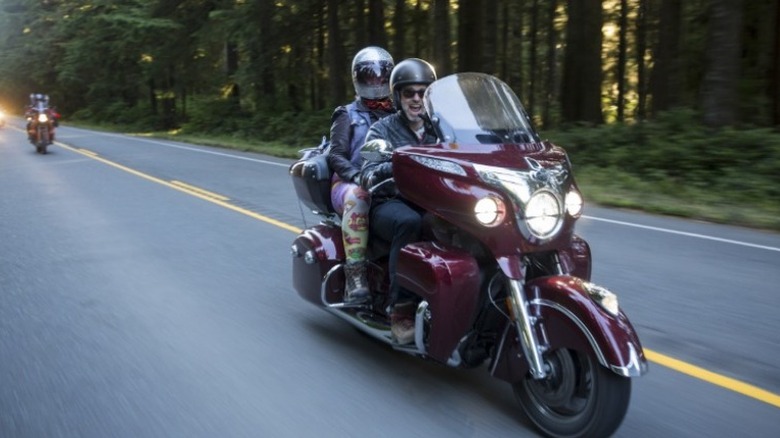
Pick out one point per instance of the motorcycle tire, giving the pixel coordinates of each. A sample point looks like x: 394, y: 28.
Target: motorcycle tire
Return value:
x: 579, y: 398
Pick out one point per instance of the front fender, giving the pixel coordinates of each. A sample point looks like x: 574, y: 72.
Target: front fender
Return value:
x: 568, y: 318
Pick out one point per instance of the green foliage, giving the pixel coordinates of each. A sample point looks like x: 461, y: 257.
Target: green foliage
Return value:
x: 222, y: 117
x: 675, y: 158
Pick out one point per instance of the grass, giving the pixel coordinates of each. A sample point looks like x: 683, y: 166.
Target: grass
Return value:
x: 613, y: 188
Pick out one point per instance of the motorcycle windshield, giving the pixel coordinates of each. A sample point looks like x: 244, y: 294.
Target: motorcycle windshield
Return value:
x: 477, y: 108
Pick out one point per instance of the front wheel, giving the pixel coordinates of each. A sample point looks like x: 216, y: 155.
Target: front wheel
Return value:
x: 578, y: 398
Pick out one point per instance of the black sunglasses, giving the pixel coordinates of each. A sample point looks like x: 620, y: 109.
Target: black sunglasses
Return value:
x: 409, y: 93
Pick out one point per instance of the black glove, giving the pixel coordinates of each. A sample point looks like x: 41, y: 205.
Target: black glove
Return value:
x: 374, y: 175
x: 383, y: 172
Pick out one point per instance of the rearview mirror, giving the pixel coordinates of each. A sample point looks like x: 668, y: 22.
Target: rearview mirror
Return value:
x: 377, y: 150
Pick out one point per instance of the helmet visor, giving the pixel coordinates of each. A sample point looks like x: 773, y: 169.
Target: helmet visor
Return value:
x: 372, y: 79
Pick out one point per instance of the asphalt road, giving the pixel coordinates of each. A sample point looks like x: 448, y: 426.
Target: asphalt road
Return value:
x: 145, y: 292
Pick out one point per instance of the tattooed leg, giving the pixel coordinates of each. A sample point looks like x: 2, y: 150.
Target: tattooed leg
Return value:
x: 354, y: 223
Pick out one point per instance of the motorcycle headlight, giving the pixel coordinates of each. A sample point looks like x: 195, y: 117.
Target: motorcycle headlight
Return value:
x: 43, y: 118
x: 536, y: 193
x: 543, y: 214
x: 490, y: 211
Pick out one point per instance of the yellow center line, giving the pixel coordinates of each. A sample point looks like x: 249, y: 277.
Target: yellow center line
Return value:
x: 87, y: 152
x: 199, y: 190
x: 653, y: 356
x: 714, y: 378
x: 197, y: 194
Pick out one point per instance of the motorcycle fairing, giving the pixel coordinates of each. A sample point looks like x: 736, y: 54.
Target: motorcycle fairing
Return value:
x: 569, y: 318
x: 453, y: 196
x: 448, y: 278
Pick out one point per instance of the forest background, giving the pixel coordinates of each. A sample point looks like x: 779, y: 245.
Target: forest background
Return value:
x: 670, y: 106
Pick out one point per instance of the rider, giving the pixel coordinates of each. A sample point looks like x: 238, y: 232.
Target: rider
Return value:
x: 39, y: 102
x: 370, y: 75
x: 392, y: 218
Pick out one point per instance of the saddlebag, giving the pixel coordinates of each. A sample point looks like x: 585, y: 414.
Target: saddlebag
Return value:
x: 315, y: 252
x: 311, y: 178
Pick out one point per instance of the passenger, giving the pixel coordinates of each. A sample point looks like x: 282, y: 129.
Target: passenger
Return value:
x: 371, y: 69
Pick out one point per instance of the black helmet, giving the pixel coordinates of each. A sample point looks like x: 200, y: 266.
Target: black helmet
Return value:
x: 371, y: 73
x: 408, y: 72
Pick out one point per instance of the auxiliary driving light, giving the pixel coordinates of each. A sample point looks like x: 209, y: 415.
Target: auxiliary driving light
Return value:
x: 490, y: 211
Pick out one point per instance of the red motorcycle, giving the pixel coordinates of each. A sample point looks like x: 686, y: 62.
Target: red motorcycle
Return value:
x: 41, y: 122
x: 500, y: 274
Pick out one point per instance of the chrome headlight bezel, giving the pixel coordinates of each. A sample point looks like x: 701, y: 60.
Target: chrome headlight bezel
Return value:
x: 490, y: 211
x: 544, y: 214
x: 538, y: 193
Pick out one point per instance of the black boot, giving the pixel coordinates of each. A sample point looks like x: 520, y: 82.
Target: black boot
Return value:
x: 355, y: 274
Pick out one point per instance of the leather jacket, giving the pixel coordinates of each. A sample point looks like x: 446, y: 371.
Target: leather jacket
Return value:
x: 349, y: 124
x: 394, y: 129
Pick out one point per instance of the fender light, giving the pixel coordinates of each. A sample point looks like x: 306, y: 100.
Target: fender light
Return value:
x: 603, y: 297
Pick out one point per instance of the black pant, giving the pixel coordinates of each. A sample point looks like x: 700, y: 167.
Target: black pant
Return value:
x: 398, y: 223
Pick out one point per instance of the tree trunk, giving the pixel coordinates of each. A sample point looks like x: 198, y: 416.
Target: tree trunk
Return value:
x: 774, y: 80
x: 361, y: 30
x: 231, y: 67
x: 336, y: 58
x: 532, y: 67
x: 552, y: 40
x: 399, y: 27
x: 376, y: 24
x: 442, y: 58
x: 721, y: 77
x: 641, y: 49
x: 665, y: 81
x: 490, y: 44
x: 621, y: 62
x: 581, y: 87
x: 470, y: 35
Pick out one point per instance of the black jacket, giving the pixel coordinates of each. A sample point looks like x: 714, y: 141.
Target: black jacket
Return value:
x: 341, y: 131
x: 394, y: 129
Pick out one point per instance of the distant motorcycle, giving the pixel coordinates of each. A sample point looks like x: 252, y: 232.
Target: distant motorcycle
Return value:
x: 40, y: 127
x: 500, y: 275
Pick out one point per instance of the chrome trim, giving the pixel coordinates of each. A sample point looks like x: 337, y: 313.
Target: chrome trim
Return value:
x: 324, y: 292
x: 439, y: 165
x: 525, y: 332
x: 521, y: 185
x: 379, y: 330
x: 558, y: 266
x: 635, y: 367
x: 419, y: 326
